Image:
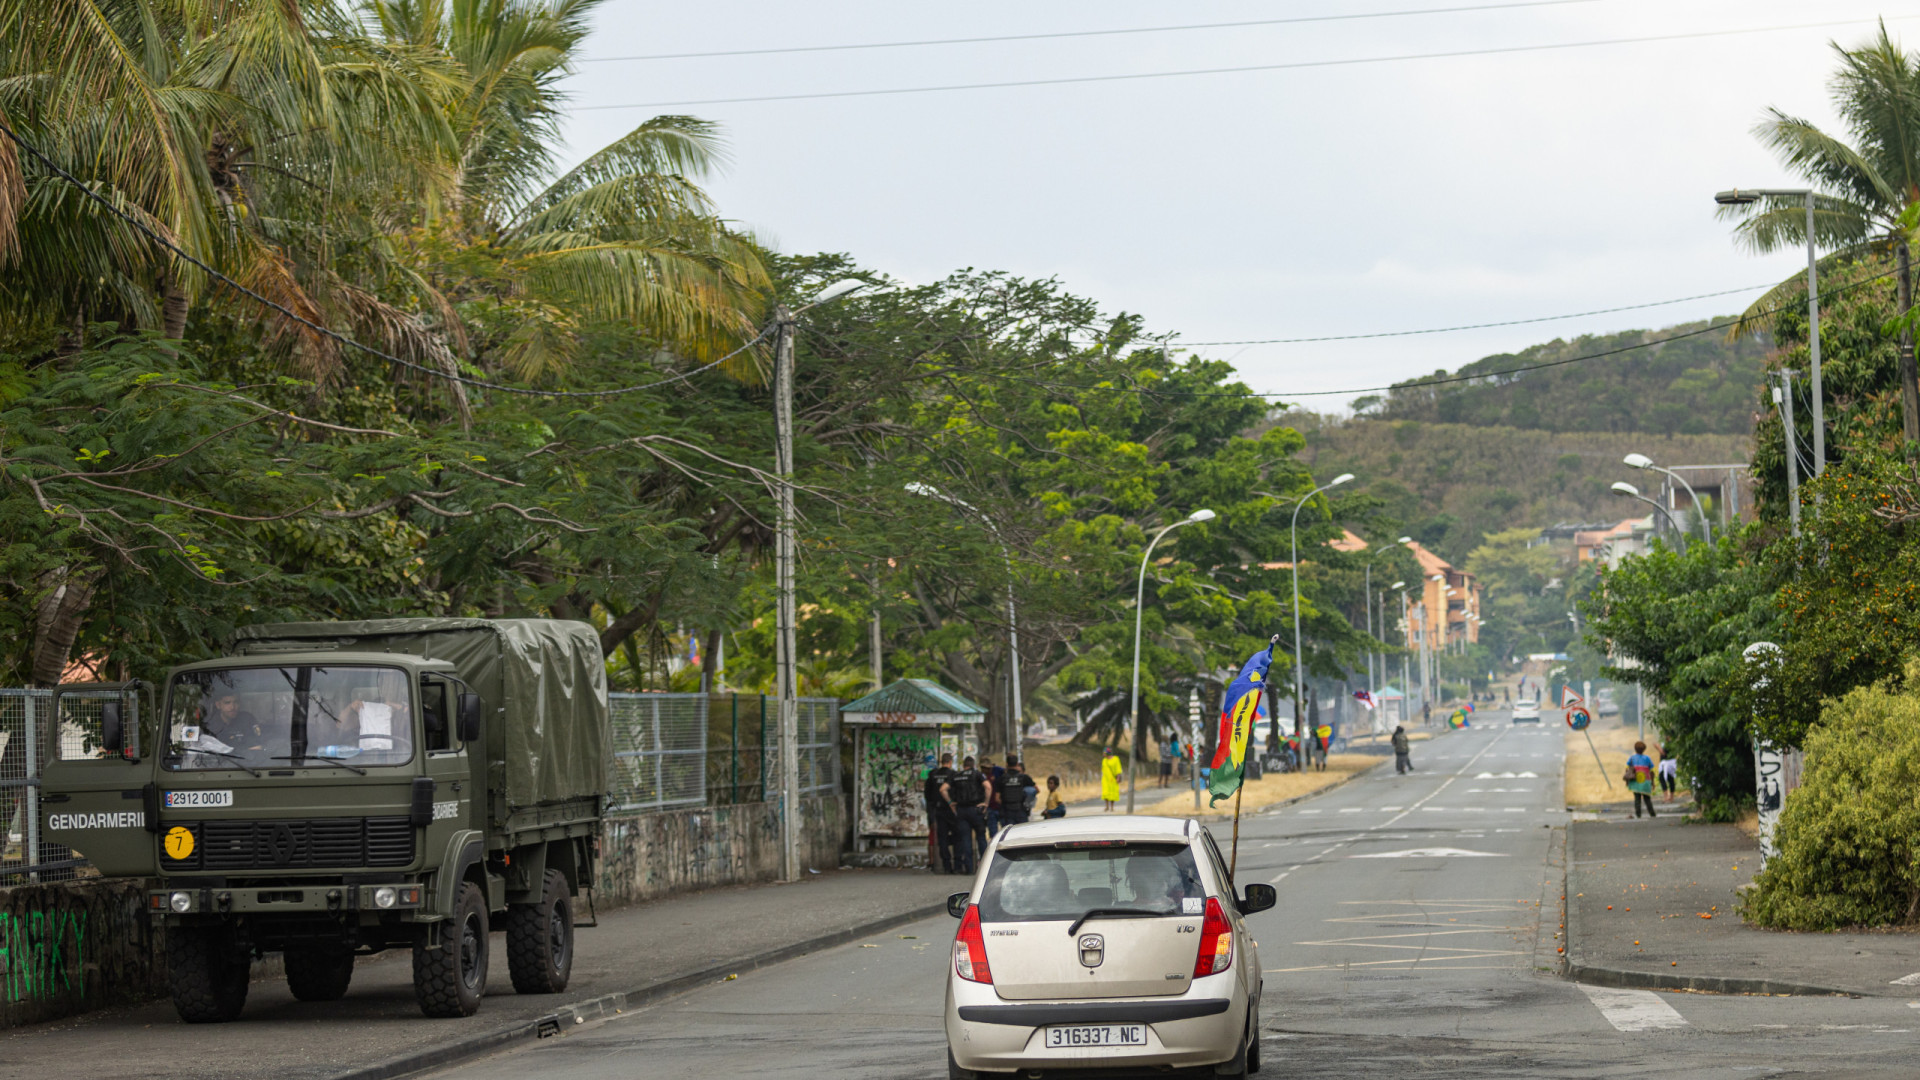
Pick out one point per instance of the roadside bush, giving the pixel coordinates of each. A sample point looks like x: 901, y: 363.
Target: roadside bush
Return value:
x: 1849, y: 838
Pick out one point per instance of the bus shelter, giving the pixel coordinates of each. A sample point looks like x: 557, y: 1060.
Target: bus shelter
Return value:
x: 899, y: 733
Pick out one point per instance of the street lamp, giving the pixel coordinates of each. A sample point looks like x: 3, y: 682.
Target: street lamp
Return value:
x: 786, y: 689
x: 1139, y: 606
x: 1368, y: 596
x: 1642, y: 461
x: 1013, y: 623
x: 1621, y: 487
x: 1747, y: 197
x: 1299, y: 651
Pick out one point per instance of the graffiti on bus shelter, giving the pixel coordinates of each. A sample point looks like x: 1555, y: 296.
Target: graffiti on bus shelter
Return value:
x: 893, y: 766
x: 42, y: 954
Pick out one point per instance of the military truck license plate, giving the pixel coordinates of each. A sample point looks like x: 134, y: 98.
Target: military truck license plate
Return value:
x: 1097, y: 1035
x: 199, y: 798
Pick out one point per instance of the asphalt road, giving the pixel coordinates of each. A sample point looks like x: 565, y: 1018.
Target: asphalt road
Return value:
x: 1410, y: 940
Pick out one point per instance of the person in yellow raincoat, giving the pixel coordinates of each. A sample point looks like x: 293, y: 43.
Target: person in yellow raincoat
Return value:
x: 1110, y: 770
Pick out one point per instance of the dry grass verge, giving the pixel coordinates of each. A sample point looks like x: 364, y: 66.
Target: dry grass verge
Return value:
x: 1269, y: 789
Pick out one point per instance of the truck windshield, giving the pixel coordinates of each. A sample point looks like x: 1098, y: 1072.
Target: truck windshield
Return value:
x: 271, y: 717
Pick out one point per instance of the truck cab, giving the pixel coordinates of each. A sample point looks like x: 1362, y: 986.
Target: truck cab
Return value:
x: 328, y: 803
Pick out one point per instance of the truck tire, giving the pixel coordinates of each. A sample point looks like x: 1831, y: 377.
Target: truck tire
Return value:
x: 318, y: 973
x: 450, y: 981
x: 208, y: 983
x: 540, y: 939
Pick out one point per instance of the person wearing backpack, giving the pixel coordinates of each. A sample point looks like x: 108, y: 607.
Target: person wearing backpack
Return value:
x: 1017, y: 792
x: 967, y: 792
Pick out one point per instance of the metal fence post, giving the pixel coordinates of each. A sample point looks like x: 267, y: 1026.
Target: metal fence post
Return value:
x: 32, y: 831
x: 763, y: 749
x: 734, y: 744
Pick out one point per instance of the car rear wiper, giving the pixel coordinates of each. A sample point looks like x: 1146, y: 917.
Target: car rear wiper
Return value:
x: 221, y: 753
x: 328, y: 760
x: 1114, y: 912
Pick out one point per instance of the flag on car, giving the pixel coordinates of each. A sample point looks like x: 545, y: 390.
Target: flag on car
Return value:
x: 1237, y: 714
x: 1363, y: 698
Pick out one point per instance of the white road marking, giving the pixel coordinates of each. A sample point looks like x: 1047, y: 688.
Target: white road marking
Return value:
x: 1633, y: 1010
x: 1909, y: 980
x: 1431, y: 853
x: 1388, y: 809
x: 1315, y: 811
x: 1283, y: 874
x: 1351, y: 809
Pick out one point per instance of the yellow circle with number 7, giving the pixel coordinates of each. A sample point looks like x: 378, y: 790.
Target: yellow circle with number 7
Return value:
x: 178, y: 842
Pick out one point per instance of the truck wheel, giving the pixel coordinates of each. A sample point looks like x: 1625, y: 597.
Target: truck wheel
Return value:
x: 449, y: 981
x: 209, y: 985
x: 540, y: 939
x: 318, y: 973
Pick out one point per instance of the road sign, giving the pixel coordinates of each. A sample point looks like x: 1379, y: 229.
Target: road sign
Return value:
x: 1578, y: 718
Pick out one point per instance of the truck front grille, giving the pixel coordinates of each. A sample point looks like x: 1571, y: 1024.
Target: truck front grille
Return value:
x: 292, y: 844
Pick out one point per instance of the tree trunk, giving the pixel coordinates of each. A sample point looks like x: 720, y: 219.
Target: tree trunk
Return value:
x: 173, y: 307
x: 57, y: 620
x: 1909, y: 379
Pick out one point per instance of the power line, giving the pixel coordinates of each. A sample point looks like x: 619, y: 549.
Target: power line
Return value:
x: 336, y: 335
x: 1235, y: 70
x: 1076, y: 33
x: 1482, y: 326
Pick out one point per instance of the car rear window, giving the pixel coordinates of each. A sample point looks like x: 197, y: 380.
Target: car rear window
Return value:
x: 1031, y: 884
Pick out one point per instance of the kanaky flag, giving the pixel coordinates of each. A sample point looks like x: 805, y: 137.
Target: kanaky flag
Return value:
x: 1237, y: 714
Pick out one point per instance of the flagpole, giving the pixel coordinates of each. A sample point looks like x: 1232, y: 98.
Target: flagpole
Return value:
x: 1233, y: 863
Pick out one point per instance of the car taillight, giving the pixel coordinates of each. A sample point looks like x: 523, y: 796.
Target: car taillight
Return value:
x: 970, y: 949
x: 1216, y: 941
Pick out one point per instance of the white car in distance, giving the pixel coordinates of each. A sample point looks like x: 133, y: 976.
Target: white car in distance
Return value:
x: 1102, y: 943
x: 1526, y: 712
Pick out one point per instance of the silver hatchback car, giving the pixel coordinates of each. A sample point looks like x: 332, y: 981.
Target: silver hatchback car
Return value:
x: 1104, y: 945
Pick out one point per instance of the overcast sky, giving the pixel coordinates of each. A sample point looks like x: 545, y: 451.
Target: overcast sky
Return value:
x: 1269, y: 204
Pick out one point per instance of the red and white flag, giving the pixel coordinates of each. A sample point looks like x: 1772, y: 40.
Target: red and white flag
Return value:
x: 1363, y: 698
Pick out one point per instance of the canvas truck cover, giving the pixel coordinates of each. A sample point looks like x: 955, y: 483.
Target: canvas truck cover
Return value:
x: 546, y: 674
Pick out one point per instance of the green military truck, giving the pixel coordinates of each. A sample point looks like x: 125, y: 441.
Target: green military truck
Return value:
x: 332, y: 790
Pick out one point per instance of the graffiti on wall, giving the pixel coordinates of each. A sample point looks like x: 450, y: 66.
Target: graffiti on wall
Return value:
x: 42, y: 954
x: 892, y: 766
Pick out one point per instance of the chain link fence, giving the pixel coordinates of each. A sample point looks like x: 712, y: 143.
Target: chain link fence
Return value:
x: 29, y: 736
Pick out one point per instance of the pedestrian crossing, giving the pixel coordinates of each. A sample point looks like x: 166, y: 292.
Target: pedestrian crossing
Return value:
x: 1315, y: 810
x: 1633, y: 1010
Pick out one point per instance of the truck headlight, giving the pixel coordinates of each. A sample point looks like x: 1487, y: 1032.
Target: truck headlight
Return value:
x: 384, y: 897
x: 181, y: 902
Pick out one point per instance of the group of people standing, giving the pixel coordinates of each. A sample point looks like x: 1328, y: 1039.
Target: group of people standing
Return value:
x: 1642, y: 772
x: 967, y: 806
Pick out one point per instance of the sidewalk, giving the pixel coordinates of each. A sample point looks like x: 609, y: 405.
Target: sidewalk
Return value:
x: 1660, y: 876
x: 643, y: 951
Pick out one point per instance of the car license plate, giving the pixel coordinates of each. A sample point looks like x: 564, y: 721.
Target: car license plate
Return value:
x: 199, y: 798
x: 1097, y: 1035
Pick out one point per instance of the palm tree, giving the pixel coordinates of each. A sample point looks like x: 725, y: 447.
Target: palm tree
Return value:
x: 1861, y: 190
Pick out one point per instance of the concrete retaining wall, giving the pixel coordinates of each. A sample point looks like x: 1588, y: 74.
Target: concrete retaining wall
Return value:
x: 703, y: 847
x: 73, y: 946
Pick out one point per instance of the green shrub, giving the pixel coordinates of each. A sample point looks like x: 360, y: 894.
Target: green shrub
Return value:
x: 1849, y: 838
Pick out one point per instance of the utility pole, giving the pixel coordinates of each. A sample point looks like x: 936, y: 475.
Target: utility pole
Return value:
x: 786, y: 694
x: 1785, y: 401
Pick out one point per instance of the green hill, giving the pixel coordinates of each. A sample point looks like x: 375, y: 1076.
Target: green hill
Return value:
x: 1450, y: 484
x: 1698, y: 385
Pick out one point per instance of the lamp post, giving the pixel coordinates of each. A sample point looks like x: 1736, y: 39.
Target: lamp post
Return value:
x: 786, y: 691
x: 1642, y: 461
x: 1746, y: 197
x: 1299, y: 651
x: 1406, y: 680
x: 1013, y: 623
x: 1139, y: 606
x: 1367, y: 593
x: 1621, y: 487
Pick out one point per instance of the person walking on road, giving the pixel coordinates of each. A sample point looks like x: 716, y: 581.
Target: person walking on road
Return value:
x: 1110, y: 770
x: 1056, y: 806
x: 1167, y: 751
x: 1669, y: 773
x: 940, y: 820
x: 1640, y: 779
x: 968, y: 791
x: 1402, y: 750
